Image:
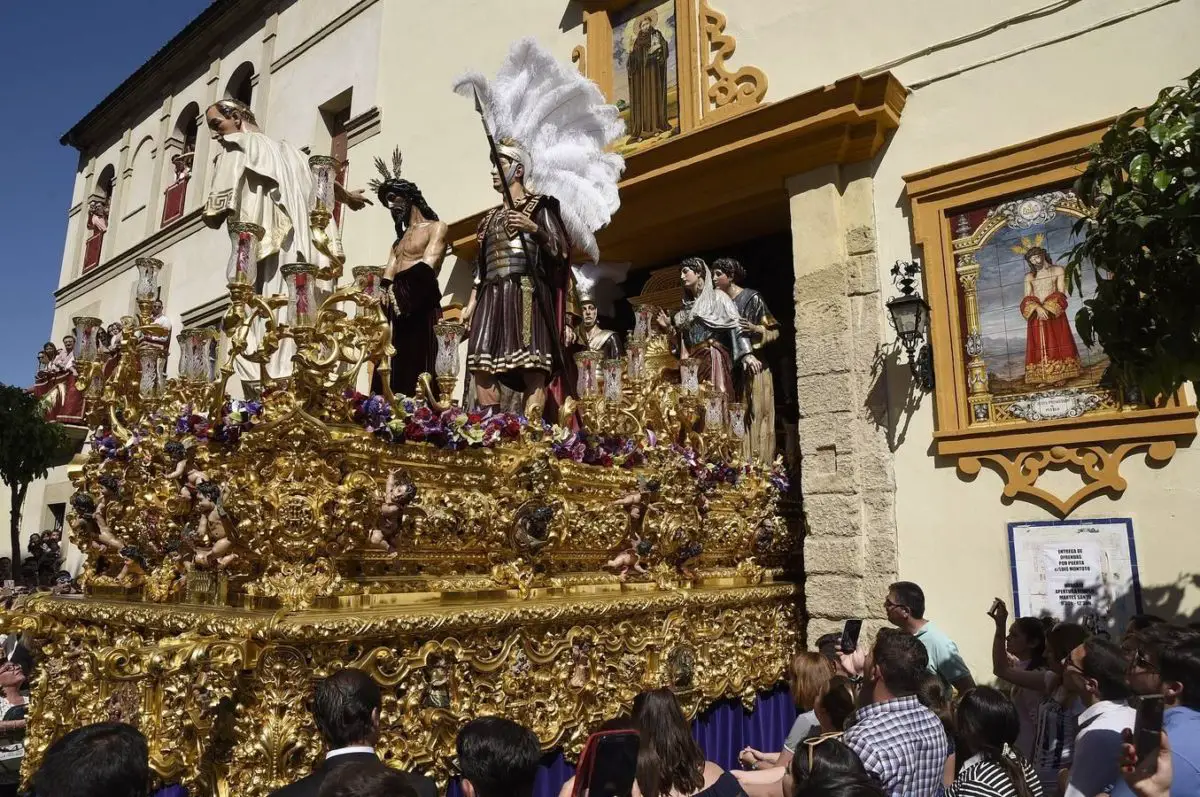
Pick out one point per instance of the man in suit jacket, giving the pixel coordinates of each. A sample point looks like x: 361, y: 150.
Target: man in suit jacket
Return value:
x: 346, y: 709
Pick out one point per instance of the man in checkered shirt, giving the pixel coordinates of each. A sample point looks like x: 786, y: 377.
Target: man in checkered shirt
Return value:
x: 898, y: 739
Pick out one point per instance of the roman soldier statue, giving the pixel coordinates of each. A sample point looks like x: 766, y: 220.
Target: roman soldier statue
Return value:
x: 590, y: 282
x: 412, y: 298
x: 259, y: 180
x: 548, y: 129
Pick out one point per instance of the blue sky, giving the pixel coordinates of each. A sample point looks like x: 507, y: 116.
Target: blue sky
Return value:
x: 64, y: 58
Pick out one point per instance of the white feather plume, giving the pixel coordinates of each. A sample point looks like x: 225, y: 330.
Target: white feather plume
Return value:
x: 600, y: 283
x: 563, y: 121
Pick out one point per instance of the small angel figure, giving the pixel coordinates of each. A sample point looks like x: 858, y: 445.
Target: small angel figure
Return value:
x: 397, y: 494
x: 687, y: 557
x: 636, y: 503
x: 90, y: 522
x: 190, y: 478
x: 437, y: 684
x: 133, y: 569
x: 579, y: 663
x: 215, y: 524
x: 630, y: 559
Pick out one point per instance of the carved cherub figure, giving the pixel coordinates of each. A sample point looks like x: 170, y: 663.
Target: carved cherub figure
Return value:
x: 189, y: 477
x: 90, y: 523
x: 437, y: 684
x: 133, y: 568
x: 215, y: 524
x: 630, y: 559
x: 579, y: 663
x: 637, y: 503
x: 168, y: 579
x: 687, y: 557
x: 531, y: 528
x: 397, y: 494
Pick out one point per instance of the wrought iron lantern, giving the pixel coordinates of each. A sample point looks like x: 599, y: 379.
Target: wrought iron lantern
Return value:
x: 910, y: 318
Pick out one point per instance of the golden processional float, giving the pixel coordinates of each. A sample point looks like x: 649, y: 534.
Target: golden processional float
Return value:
x: 237, y: 551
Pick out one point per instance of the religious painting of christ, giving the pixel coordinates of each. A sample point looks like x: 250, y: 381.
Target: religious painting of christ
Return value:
x: 646, y: 74
x: 1051, y: 356
x: 1012, y: 254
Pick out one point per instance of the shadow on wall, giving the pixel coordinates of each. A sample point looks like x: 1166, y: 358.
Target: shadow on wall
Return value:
x: 890, y: 376
x: 1106, y: 617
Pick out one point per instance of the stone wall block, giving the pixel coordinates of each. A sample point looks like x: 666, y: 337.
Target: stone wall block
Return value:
x: 824, y: 393
x: 833, y: 596
x: 821, y: 352
x: 882, y: 553
x: 860, y: 240
x: 832, y: 515
x: 834, y: 555
x: 862, y: 272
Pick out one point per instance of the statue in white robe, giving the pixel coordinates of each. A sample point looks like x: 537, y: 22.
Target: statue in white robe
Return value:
x: 259, y: 180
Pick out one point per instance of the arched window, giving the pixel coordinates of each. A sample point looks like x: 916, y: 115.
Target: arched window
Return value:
x: 181, y: 148
x: 240, y: 86
x: 98, y: 207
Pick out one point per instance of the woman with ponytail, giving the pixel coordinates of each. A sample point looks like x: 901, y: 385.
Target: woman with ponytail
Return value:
x: 987, y: 725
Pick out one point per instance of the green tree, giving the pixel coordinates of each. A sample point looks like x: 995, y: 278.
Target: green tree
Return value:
x: 1143, y: 240
x: 29, y: 446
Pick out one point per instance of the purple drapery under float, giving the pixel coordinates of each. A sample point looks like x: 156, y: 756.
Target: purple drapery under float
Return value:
x: 722, y: 731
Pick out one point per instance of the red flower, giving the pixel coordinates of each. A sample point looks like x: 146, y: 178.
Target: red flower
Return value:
x: 474, y: 417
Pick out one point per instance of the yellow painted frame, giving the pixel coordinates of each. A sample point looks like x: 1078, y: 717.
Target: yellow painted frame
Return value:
x: 1093, y: 444
x: 709, y: 91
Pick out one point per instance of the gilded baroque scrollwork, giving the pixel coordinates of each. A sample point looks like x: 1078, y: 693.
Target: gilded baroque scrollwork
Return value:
x: 726, y: 92
x: 1098, y: 466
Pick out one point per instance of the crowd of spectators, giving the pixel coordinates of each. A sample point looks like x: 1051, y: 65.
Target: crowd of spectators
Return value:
x: 902, y: 717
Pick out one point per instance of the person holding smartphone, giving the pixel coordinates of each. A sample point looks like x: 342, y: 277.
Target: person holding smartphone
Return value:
x: 1020, y: 653
x: 1166, y: 664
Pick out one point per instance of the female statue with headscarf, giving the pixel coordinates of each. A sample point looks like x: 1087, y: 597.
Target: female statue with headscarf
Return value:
x: 708, y: 329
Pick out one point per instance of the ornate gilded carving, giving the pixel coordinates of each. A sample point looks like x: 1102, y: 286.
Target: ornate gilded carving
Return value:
x: 1098, y: 467
x: 726, y: 93
x: 234, y: 712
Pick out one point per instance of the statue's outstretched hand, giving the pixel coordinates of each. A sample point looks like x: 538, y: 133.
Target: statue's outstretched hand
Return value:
x: 355, y: 200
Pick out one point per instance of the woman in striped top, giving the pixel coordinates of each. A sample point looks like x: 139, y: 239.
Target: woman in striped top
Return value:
x: 987, y: 726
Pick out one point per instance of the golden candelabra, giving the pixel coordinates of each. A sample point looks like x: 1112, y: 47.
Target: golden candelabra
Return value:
x: 240, y: 548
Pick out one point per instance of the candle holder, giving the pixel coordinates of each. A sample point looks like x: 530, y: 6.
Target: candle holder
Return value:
x: 148, y: 269
x: 614, y: 374
x: 86, y: 346
x: 587, y: 383
x: 689, y: 376
x: 196, y: 363
x: 367, y: 280
x: 714, y: 411
x: 302, y: 297
x: 737, y: 420
x: 245, y: 238
x: 637, y: 361
x: 149, y: 383
x: 321, y: 198
x: 643, y: 322
x: 446, y: 363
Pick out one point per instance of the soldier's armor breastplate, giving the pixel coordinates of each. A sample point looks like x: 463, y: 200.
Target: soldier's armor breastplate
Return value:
x: 503, y: 256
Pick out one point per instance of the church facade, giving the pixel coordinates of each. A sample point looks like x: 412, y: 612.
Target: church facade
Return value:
x: 819, y: 146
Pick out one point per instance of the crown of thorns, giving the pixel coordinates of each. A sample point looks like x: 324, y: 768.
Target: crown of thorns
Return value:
x: 389, y: 176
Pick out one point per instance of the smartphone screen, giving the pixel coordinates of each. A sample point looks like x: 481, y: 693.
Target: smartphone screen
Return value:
x: 1146, y: 730
x: 615, y: 765
x: 850, y: 633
